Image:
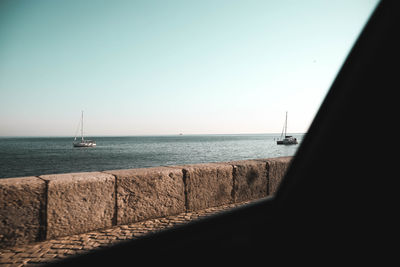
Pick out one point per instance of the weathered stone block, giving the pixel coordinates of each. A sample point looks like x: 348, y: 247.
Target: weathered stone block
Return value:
x: 277, y: 168
x: 208, y: 185
x: 22, y: 207
x: 148, y: 193
x: 79, y: 202
x: 250, y: 180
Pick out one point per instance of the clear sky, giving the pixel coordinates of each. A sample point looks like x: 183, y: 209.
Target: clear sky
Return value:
x: 168, y: 67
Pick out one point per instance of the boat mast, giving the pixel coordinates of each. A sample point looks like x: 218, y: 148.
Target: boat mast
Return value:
x: 82, y: 126
x: 286, y: 125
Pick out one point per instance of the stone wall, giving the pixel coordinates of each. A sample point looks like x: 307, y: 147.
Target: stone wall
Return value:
x: 49, y: 206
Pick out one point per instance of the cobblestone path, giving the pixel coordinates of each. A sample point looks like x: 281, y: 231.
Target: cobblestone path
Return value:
x: 50, y: 250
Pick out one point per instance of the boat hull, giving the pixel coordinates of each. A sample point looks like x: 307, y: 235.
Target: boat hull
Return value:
x: 85, y: 144
x: 282, y: 143
x: 291, y: 141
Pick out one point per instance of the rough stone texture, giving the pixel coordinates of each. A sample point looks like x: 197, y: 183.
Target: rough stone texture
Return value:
x: 50, y: 251
x: 277, y: 168
x: 148, y: 193
x: 79, y: 202
x: 22, y: 202
x: 208, y: 185
x: 250, y: 180
x: 66, y: 204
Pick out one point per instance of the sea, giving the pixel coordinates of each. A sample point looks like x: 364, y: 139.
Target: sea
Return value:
x: 33, y: 156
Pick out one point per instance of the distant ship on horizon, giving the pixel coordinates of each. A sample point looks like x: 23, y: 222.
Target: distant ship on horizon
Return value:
x: 82, y: 142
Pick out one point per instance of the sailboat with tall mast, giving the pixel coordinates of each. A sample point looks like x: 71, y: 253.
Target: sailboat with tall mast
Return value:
x: 82, y: 142
x: 286, y: 139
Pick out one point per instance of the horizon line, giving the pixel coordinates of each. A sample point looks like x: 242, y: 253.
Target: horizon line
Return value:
x: 140, y: 135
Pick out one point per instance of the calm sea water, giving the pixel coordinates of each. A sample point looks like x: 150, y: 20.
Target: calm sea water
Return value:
x: 49, y: 155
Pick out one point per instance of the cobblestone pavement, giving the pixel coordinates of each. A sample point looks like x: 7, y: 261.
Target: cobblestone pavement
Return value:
x: 50, y: 250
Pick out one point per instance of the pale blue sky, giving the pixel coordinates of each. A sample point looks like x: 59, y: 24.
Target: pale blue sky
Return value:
x: 166, y: 67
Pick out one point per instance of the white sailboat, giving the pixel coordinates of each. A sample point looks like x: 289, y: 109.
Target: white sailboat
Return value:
x: 286, y: 139
x: 82, y: 142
